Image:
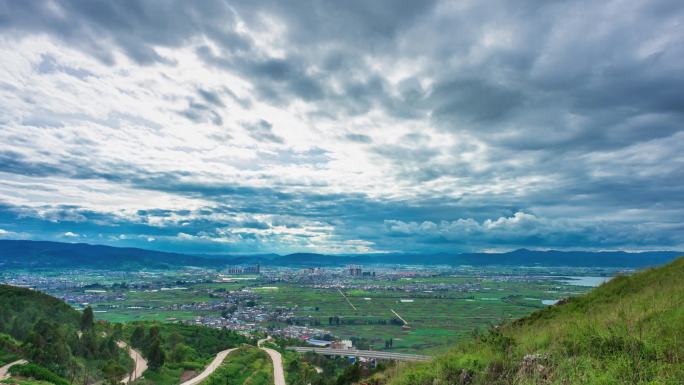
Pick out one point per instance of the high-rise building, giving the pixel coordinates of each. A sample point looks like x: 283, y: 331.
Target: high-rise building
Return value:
x: 355, y: 270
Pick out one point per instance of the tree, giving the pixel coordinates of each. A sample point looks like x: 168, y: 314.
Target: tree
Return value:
x: 152, y: 336
x: 181, y: 352
x: 17, y: 331
x: 47, y: 346
x: 117, y: 333
x: 87, y: 319
x: 174, y: 339
x: 350, y: 375
x: 138, y: 337
x: 89, y: 345
x: 156, y: 355
x: 113, y: 372
x: 109, y: 347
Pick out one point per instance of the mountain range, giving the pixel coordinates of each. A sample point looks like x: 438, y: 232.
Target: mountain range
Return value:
x: 44, y: 254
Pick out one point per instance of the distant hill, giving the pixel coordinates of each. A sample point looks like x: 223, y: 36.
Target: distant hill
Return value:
x: 630, y: 330
x: 43, y: 254
x: 522, y: 257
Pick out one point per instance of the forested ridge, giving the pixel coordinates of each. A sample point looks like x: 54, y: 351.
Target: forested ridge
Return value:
x: 65, y: 346
x: 60, y: 343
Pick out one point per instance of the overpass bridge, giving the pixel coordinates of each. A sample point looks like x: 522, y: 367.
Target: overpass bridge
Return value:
x: 380, y: 355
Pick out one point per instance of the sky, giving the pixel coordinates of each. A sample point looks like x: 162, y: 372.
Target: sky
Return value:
x: 343, y: 126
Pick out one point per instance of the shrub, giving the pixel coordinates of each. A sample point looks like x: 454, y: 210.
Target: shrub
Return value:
x: 38, y: 373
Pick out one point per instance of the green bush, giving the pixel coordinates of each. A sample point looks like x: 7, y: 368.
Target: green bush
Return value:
x: 38, y: 373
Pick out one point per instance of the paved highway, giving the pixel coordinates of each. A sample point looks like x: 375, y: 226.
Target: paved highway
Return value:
x: 363, y: 353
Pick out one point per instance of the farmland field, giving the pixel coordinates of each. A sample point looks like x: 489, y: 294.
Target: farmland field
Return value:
x: 407, y: 309
x: 435, y: 320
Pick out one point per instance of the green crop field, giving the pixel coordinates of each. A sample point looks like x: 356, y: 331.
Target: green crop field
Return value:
x: 435, y: 320
x: 439, y: 309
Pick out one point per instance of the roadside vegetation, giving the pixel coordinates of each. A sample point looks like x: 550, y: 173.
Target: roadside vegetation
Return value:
x: 315, y: 369
x: 247, y: 365
x: 176, y: 351
x: 628, y: 331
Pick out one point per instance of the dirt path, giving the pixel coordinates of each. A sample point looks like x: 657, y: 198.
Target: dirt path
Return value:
x: 348, y: 301
x: 5, y: 369
x: 139, y: 368
x: 140, y: 364
x: 211, y: 368
x: 400, y: 317
x: 278, y: 373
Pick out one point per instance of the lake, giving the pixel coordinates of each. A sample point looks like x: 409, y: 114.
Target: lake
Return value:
x: 585, y: 281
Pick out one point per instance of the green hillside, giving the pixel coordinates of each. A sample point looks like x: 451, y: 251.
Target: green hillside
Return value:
x: 627, y: 331
x: 62, y: 344
x: 66, y: 346
x: 20, y: 308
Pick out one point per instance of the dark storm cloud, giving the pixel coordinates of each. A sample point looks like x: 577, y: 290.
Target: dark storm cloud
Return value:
x: 275, y: 80
x: 134, y: 27
x: 473, y: 100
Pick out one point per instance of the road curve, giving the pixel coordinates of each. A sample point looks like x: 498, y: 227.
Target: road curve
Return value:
x: 139, y: 366
x: 5, y: 369
x: 211, y: 368
x: 278, y: 373
x: 138, y: 369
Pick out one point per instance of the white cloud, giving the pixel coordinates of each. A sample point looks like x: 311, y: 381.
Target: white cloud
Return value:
x: 490, y: 123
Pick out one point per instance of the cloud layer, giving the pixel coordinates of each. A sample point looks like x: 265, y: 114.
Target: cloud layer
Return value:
x: 343, y: 127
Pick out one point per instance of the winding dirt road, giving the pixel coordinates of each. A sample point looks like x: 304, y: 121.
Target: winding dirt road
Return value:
x: 140, y: 363
x: 138, y: 369
x: 5, y: 369
x: 278, y: 373
x: 218, y: 360
x: 141, y: 366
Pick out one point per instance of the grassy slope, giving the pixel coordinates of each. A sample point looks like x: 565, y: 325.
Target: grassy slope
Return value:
x: 628, y: 331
